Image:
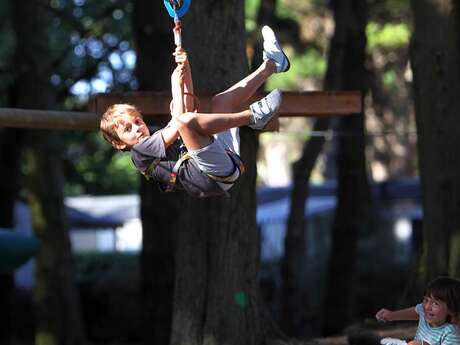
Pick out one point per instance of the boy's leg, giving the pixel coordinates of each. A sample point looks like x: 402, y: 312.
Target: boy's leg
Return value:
x: 196, y: 129
x: 275, y: 61
x: 235, y: 96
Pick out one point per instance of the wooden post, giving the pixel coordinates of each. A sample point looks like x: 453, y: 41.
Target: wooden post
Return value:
x: 48, y: 119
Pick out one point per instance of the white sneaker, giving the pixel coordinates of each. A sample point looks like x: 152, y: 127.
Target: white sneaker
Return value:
x: 264, y: 109
x: 273, y: 50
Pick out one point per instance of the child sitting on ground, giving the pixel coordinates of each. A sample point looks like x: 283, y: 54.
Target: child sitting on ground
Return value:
x: 211, y: 165
x: 438, y: 315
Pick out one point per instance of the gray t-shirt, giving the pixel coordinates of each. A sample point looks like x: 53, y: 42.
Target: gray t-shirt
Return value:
x: 189, y: 177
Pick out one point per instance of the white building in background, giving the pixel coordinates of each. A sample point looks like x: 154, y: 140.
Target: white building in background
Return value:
x: 96, y: 224
x: 105, y: 223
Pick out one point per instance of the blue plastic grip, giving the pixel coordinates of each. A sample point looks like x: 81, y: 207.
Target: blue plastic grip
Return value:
x: 173, y: 13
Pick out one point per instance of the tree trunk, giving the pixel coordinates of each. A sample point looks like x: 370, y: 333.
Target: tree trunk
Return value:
x: 160, y: 212
x: 9, y: 186
x: 353, y: 191
x: 216, y: 298
x: 58, y: 319
x: 434, y: 52
x: 294, y: 261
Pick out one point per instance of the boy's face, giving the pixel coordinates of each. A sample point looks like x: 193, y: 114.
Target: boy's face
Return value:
x: 436, y: 311
x: 130, y: 130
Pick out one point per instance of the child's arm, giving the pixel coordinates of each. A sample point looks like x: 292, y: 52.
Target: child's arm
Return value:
x: 188, y: 96
x: 397, y: 315
x: 171, y: 132
x: 177, y: 90
x: 417, y: 342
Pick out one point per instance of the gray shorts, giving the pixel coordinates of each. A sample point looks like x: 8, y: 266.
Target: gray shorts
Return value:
x: 213, y: 159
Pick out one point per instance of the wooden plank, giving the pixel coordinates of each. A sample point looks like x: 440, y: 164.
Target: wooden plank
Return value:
x: 309, y: 104
x: 315, y: 103
x: 48, y: 119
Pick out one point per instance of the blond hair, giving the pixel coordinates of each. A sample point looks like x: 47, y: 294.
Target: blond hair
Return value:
x: 108, y: 120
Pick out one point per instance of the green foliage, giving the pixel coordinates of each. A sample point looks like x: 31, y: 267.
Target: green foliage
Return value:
x: 90, y: 42
x: 93, y: 167
x: 307, y: 65
x: 389, y: 78
x: 389, y: 10
x: 251, y: 8
x: 387, y: 35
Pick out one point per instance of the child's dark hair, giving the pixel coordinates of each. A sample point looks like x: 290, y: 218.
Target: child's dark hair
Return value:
x: 446, y: 289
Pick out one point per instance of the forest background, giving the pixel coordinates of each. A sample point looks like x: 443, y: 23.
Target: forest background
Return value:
x: 57, y: 54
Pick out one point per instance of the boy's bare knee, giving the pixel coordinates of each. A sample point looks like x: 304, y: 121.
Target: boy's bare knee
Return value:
x: 221, y: 104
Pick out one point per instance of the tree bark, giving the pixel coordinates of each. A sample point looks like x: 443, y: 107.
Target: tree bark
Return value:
x: 216, y: 296
x: 353, y: 194
x: 434, y: 53
x: 58, y: 319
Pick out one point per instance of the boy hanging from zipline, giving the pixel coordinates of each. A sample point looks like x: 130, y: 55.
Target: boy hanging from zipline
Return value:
x: 211, y: 164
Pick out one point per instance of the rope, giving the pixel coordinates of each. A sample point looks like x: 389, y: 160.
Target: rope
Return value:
x: 334, y: 134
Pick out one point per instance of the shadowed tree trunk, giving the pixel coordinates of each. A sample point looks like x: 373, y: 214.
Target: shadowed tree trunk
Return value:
x: 58, y: 319
x: 353, y: 194
x: 159, y: 211
x: 216, y: 298
x: 434, y: 53
x: 10, y: 150
x: 294, y: 261
x: 9, y: 186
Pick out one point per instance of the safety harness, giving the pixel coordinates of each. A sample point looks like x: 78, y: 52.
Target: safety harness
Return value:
x: 172, y: 183
x: 230, y: 179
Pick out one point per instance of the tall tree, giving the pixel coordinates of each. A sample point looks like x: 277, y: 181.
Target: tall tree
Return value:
x: 9, y: 186
x: 216, y: 287
x: 293, y: 262
x: 353, y: 191
x: 58, y: 318
x: 434, y: 54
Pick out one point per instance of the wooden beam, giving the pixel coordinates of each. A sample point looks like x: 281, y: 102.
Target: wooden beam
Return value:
x: 311, y: 103
x: 48, y: 119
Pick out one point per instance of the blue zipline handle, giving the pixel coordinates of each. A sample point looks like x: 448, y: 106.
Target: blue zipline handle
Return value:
x: 179, y: 13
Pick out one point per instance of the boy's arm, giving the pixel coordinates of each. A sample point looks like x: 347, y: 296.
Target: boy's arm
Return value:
x: 397, y: 315
x: 177, y: 90
x: 187, y: 81
x: 170, y: 133
x: 189, y: 99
